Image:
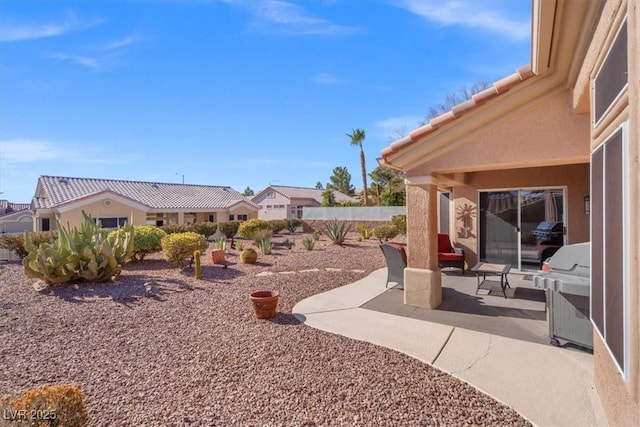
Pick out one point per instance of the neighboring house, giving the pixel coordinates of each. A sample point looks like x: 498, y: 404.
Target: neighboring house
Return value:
x: 280, y: 202
x: 15, y: 217
x: 558, y: 140
x: 116, y: 202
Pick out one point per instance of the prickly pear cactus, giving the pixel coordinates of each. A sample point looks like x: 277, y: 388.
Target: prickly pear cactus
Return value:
x: 82, y: 254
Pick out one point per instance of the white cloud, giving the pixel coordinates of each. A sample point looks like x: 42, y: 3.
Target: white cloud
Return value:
x: 289, y: 18
x: 84, y: 61
x: 12, y: 31
x: 123, y: 42
x: 23, y: 151
x: 475, y: 14
x: 327, y: 79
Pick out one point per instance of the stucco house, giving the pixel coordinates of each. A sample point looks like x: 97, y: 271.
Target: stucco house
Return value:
x: 115, y: 202
x: 280, y: 201
x: 557, y: 140
x: 15, y: 217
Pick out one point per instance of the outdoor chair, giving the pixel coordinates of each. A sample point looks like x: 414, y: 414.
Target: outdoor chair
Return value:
x: 396, y: 259
x: 448, y: 256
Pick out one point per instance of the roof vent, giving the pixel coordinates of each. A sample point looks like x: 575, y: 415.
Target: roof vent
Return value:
x: 155, y: 186
x: 63, y: 180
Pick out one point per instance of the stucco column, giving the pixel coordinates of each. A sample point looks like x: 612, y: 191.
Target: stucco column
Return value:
x: 180, y: 217
x: 422, y: 277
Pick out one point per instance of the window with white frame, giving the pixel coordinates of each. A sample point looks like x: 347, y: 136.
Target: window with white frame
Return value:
x: 112, y: 222
x: 242, y: 217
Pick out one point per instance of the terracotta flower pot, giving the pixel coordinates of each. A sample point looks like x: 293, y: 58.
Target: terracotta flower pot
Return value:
x: 217, y: 256
x: 248, y: 256
x: 265, y: 303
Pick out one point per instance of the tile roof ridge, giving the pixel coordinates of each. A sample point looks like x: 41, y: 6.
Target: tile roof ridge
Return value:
x: 132, y: 181
x: 497, y: 88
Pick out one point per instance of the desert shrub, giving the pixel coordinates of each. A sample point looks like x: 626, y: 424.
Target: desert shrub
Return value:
x: 400, y: 221
x: 205, y: 228
x: 308, y: 243
x: 248, y: 229
x: 146, y: 240
x: 229, y: 228
x: 84, y: 254
x: 15, y: 242
x: 176, y: 228
x: 365, y: 232
x: 179, y: 247
x: 52, y: 405
x: 260, y: 235
x: 293, y: 224
x: 277, y: 225
x: 336, y: 231
x: 385, y: 232
x: 316, y: 235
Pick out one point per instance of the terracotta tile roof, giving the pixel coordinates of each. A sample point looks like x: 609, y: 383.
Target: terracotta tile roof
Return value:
x: 61, y: 190
x: 309, y: 193
x: 499, y: 87
x: 6, y: 207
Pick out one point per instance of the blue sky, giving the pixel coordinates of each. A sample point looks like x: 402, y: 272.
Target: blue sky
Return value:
x: 233, y: 92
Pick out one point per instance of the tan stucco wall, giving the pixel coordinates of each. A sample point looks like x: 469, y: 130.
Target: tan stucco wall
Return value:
x: 548, y: 133
x: 98, y: 209
x: 574, y: 177
x: 620, y: 398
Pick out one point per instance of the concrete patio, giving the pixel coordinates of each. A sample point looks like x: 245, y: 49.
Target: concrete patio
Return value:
x: 500, y: 346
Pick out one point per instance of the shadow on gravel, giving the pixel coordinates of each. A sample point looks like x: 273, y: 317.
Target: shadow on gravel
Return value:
x: 285, y: 319
x: 136, y: 289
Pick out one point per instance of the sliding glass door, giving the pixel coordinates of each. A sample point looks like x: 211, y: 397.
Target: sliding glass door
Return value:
x: 516, y: 226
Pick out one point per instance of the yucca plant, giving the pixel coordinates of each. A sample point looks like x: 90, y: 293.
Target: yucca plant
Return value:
x: 308, y: 243
x: 221, y: 243
x: 336, y: 231
x: 265, y: 246
x: 84, y: 254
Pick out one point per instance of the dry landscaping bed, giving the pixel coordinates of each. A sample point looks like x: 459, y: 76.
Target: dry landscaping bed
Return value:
x: 190, y: 352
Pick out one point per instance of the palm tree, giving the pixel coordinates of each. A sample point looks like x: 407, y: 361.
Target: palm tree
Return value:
x: 357, y: 136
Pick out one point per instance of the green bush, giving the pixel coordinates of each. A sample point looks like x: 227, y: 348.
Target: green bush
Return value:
x: 82, y: 254
x: 277, y: 225
x: 400, y: 221
x: 146, y: 240
x: 179, y: 247
x: 57, y: 405
x: 336, y: 231
x: 385, y: 232
x: 176, y: 228
x: 229, y: 228
x: 293, y: 224
x: 15, y: 242
x: 248, y: 228
x: 205, y: 228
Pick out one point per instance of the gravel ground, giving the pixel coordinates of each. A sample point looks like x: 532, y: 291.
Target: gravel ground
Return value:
x: 192, y: 353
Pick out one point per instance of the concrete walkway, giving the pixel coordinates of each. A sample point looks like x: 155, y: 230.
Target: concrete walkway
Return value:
x: 548, y: 385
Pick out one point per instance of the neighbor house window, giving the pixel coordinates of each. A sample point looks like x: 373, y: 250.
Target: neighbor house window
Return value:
x: 112, y: 222
x: 242, y: 217
x: 609, y: 245
x: 212, y: 218
x: 231, y: 217
x: 269, y: 206
x: 46, y: 224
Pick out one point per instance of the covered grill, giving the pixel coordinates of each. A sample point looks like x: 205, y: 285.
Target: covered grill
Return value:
x: 566, y: 278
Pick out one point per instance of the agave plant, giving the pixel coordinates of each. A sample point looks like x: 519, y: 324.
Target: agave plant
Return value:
x: 84, y: 254
x: 336, y: 231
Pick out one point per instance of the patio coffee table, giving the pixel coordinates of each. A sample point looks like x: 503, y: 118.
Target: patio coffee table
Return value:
x: 484, y: 268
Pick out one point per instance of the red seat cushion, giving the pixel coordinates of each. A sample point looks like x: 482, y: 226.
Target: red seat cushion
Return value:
x: 401, y: 247
x: 444, y: 243
x: 451, y: 256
